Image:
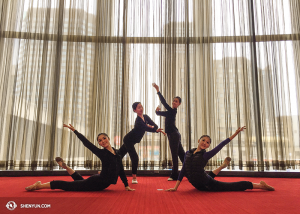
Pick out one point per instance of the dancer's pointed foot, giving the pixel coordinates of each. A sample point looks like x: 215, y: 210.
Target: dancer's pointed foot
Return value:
x: 33, y: 186
x: 226, y: 162
x: 61, y: 162
x: 266, y: 186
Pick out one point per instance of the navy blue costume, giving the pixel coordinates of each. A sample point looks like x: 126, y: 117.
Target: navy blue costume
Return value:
x: 173, y: 135
x: 112, y: 167
x: 193, y: 169
x: 135, y: 136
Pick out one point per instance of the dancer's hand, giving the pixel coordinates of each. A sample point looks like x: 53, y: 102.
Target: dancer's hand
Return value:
x: 240, y: 129
x: 129, y: 189
x: 158, y: 108
x: 69, y: 126
x: 171, y: 190
x: 237, y: 132
x: 161, y: 130
x: 165, y: 134
x: 155, y: 86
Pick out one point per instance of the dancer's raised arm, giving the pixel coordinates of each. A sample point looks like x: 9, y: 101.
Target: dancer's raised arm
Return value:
x: 85, y: 141
x: 214, y: 151
x: 237, y: 132
x: 161, y: 98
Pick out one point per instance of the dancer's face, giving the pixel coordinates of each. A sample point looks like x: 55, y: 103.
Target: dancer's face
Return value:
x: 175, y: 103
x: 139, y: 109
x: 103, y: 141
x: 204, y: 143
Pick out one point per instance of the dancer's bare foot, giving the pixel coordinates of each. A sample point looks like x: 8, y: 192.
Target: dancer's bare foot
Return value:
x: 266, y: 186
x: 33, y: 186
x: 61, y: 162
x: 226, y: 162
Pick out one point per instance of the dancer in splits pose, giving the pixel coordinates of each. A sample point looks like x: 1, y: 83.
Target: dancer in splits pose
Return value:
x: 112, y: 167
x: 197, y: 158
x: 172, y: 131
x: 142, y: 124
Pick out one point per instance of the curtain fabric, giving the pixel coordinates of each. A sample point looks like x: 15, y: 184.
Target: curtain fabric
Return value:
x: 85, y: 62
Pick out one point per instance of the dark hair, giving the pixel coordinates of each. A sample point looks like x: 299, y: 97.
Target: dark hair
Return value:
x: 134, y: 105
x: 179, y: 98
x: 205, y: 136
x: 102, y: 134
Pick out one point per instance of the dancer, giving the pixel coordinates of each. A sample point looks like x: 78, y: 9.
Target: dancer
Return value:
x: 142, y: 124
x: 197, y: 158
x: 172, y: 131
x: 112, y: 167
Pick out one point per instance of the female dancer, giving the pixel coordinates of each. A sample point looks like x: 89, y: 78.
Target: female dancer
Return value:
x: 142, y: 124
x: 197, y: 158
x: 172, y: 131
x: 112, y: 167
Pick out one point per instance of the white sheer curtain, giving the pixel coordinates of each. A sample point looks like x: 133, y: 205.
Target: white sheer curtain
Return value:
x: 85, y: 62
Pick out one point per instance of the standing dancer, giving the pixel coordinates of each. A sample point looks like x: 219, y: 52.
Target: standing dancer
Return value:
x: 172, y: 131
x: 197, y: 158
x: 142, y: 124
x: 112, y: 167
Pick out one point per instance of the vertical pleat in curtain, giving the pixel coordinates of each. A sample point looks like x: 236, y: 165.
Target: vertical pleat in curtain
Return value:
x: 221, y: 81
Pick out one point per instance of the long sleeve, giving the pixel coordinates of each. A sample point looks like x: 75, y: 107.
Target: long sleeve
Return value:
x: 210, y: 154
x: 123, y: 176
x: 161, y: 113
x: 140, y: 124
x: 150, y: 122
x: 183, y: 170
x: 88, y: 144
x: 163, y: 101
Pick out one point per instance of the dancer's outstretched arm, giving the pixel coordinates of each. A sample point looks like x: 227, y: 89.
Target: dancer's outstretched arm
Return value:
x: 151, y: 127
x: 154, y: 125
x: 237, y: 132
x: 151, y: 123
x: 210, y: 154
x: 85, y: 141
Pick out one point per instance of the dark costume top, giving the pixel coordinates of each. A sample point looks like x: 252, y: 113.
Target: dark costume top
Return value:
x: 112, y: 166
x: 140, y: 127
x: 193, y: 166
x: 170, y: 115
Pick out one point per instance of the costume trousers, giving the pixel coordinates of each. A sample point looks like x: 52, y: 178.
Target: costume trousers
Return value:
x: 176, y: 151
x: 93, y: 183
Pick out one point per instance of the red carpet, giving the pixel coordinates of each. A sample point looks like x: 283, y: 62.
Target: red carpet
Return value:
x: 147, y: 199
